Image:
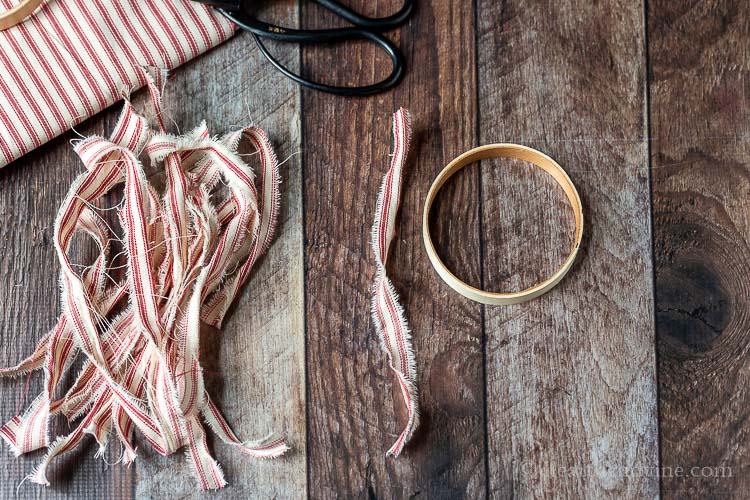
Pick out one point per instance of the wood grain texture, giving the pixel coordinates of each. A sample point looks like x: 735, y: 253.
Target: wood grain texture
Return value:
x: 571, y: 385
x: 355, y: 408
x: 700, y: 104
x: 254, y: 367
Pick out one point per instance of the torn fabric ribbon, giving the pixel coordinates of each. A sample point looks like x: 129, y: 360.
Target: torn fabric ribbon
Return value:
x: 188, y: 252
x: 387, y: 312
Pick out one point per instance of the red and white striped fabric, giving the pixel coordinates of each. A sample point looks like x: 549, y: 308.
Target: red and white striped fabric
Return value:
x: 387, y: 313
x: 188, y: 252
x: 73, y: 58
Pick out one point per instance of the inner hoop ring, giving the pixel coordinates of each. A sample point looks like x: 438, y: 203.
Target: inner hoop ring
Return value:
x: 519, y: 152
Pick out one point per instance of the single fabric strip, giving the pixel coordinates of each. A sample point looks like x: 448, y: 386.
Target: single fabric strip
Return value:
x: 387, y: 312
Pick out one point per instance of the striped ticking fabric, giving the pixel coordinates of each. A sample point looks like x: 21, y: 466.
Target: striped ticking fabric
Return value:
x: 387, y: 313
x: 73, y: 58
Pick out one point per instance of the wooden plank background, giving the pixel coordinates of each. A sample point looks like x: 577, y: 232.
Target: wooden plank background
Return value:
x: 571, y: 382
x: 700, y: 159
x: 635, y: 366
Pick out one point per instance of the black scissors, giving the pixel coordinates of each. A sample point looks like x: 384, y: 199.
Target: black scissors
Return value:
x: 366, y: 28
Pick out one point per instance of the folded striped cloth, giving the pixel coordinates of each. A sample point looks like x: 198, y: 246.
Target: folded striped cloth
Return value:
x: 74, y: 58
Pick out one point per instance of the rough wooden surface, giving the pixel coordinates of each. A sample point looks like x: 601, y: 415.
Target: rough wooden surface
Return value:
x: 556, y: 397
x: 700, y: 108
x: 570, y: 376
x: 352, y: 416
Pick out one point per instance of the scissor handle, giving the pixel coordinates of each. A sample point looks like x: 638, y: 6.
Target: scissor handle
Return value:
x: 265, y: 30
x: 379, y: 24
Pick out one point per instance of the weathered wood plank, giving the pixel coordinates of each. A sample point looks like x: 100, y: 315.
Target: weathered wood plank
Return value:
x: 31, y: 191
x: 255, y: 367
x: 700, y: 108
x: 571, y: 388
x: 352, y: 416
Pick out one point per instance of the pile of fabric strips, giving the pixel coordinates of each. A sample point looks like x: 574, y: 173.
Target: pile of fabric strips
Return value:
x: 188, y: 248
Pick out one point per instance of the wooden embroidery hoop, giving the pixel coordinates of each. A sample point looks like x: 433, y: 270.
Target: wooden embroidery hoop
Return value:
x: 503, y: 151
x: 18, y: 13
